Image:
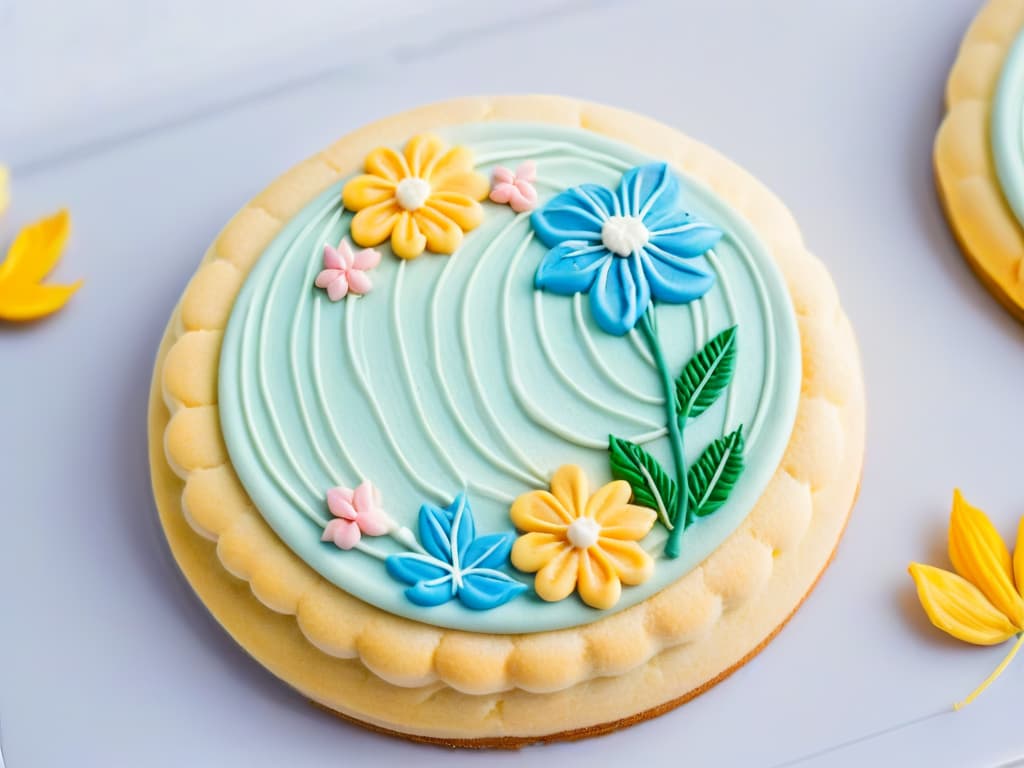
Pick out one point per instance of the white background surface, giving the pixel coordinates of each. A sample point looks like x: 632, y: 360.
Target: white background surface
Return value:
x: 154, y: 126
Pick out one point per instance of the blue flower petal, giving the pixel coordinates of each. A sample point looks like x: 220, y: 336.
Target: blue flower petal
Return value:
x: 576, y: 214
x: 620, y: 295
x: 463, y: 528
x: 685, y: 237
x: 647, y: 190
x: 435, y: 526
x: 431, y: 593
x: 489, y: 551
x: 571, y: 267
x: 412, y: 568
x: 675, y: 280
x: 483, y: 590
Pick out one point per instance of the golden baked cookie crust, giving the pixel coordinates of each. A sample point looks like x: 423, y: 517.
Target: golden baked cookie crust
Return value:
x: 460, y: 687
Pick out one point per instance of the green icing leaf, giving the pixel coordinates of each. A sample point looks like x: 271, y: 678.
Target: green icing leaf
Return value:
x: 711, y: 478
x: 706, y: 374
x: 652, y: 487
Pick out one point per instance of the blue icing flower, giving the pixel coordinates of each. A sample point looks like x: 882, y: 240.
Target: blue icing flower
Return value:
x: 456, y: 564
x: 624, y: 247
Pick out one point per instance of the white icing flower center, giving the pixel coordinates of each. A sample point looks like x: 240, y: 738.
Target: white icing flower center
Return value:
x: 624, y: 234
x: 583, y: 532
x: 412, y: 193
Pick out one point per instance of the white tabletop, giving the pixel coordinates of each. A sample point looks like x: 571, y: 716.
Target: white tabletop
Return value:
x: 155, y: 126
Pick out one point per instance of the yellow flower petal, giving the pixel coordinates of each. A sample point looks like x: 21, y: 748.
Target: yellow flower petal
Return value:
x: 460, y: 208
x: 628, y: 521
x: 473, y: 185
x: 443, y: 235
x: 19, y: 303
x: 556, y: 580
x: 1018, y: 558
x: 980, y: 556
x: 454, y: 172
x: 532, y: 551
x: 406, y: 239
x: 455, y: 160
x: 598, y: 583
x: 956, y: 606
x: 540, y: 511
x: 570, y: 486
x: 366, y: 190
x: 608, y: 498
x: 422, y: 153
x: 36, y: 249
x: 632, y: 564
x: 386, y: 163
x: 32, y: 255
x: 374, y: 224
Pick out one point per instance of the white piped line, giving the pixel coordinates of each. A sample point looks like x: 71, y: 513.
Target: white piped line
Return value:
x: 491, y: 457
x: 305, y: 289
x: 581, y: 393
x: 769, y: 343
x: 588, y: 343
x: 261, y: 349
x: 257, y: 444
x: 730, y: 308
x: 396, y: 318
x: 357, y: 366
x: 467, y: 347
x: 515, y: 384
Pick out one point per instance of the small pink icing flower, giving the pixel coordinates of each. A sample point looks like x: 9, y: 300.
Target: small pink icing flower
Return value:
x: 355, y: 513
x: 345, y: 270
x: 515, y: 188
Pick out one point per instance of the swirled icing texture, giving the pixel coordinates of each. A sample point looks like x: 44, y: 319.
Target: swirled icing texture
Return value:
x: 456, y: 374
x: 1006, y: 128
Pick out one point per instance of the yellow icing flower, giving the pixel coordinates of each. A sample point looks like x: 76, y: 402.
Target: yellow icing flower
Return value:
x: 579, y: 541
x: 984, y: 604
x: 424, y: 197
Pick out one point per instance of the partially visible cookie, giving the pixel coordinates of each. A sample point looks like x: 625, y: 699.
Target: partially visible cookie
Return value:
x: 979, y: 150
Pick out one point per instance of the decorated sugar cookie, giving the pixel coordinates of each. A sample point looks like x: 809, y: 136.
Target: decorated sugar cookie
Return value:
x: 979, y: 151
x: 499, y: 412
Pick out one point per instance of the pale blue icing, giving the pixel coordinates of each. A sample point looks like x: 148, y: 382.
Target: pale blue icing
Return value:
x: 442, y: 379
x: 1006, y: 128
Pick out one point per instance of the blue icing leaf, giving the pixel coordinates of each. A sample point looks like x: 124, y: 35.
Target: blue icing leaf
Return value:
x: 485, y: 589
x: 411, y: 567
x: 489, y: 551
x: 435, y: 526
x: 471, y: 576
x: 431, y: 593
x: 463, y: 527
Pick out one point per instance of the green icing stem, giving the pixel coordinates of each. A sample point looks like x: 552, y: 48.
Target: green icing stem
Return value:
x: 634, y: 339
x: 680, y: 518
